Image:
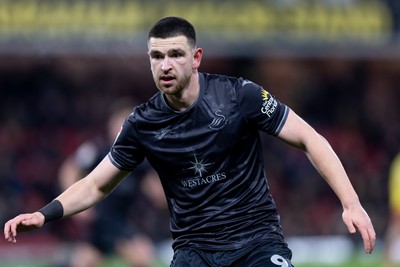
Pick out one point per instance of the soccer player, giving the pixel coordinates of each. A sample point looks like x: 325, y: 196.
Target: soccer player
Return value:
x: 392, y: 245
x: 201, y: 133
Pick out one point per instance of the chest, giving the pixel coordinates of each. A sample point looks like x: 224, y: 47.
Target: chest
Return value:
x: 210, y: 130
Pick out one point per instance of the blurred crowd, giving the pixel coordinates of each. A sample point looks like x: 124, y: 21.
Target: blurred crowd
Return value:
x: 49, y: 106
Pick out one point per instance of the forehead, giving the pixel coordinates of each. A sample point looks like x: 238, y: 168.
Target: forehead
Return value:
x: 171, y: 43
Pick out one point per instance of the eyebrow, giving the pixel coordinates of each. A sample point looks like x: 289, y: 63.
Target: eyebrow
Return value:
x: 178, y: 50
x: 171, y: 51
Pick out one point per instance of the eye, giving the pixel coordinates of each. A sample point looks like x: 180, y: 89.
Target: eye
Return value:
x: 177, y: 53
x: 156, y: 56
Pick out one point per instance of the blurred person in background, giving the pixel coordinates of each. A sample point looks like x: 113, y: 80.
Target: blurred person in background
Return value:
x: 109, y: 228
x: 392, y: 242
x: 201, y: 134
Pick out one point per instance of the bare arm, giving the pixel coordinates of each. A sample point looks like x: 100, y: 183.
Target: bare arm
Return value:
x: 78, y: 197
x: 298, y: 133
x: 92, y: 189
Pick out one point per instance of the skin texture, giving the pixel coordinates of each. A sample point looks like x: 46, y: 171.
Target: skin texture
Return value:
x: 174, y: 65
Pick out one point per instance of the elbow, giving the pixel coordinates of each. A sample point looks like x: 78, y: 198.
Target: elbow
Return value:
x: 311, y: 140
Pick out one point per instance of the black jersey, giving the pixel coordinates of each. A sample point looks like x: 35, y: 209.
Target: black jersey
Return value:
x: 209, y: 159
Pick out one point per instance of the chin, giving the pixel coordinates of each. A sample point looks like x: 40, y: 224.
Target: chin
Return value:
x: 170, y: 90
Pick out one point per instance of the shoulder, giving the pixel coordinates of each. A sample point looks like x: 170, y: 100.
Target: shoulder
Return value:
x: 227, y: 86
x: 147, y: 110
x: 230, y: 82
x: 219, y: 80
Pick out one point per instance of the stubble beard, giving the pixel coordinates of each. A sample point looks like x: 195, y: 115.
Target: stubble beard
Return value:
x: 176, y: 89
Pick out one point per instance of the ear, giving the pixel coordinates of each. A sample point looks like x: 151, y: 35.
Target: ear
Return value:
x: 198, y: 54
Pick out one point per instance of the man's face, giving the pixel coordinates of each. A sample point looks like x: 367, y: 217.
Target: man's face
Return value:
x: 172, y: 63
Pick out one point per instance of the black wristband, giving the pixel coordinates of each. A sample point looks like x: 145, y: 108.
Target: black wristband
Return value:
x: 52, y: 211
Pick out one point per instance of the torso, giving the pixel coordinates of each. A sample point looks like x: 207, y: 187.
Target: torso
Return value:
x: 209, y: 160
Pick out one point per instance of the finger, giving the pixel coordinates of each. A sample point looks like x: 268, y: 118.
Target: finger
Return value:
x: 8, y: 234
x: 13, y: 229
x: 17, y: 223
x: 25, y: 225
x: 350, y: 225
x: 352, y: 229
x: 26, y: 222
x: 367, y: 246
x: 368, y: 236
x: 372, y: 238
x: 12, y: 239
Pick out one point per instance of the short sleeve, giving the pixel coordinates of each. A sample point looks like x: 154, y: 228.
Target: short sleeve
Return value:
x: 126, y: 152
x: 260, y: 108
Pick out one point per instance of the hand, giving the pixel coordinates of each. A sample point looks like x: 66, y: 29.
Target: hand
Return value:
x: 356, y: 218
x: 21, y: 223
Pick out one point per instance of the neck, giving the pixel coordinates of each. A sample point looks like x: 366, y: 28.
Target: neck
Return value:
x: 187, y: 97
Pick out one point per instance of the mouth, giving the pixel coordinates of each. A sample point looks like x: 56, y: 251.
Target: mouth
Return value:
x: 167, y: 79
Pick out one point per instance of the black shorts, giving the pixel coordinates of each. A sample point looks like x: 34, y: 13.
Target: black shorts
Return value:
x: 105, y: 233
x: 258, y: 255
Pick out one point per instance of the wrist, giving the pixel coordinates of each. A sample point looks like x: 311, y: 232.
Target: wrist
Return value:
x: 52, y: 211
x: 349, y: 203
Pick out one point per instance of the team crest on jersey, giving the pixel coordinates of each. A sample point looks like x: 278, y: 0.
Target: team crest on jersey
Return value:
x: 269, y: 103
x: 219, y: 121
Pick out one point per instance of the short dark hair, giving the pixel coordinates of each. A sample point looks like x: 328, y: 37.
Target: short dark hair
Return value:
x: 171, y: 27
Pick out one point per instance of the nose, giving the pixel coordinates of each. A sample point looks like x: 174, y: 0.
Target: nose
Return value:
x: 165, y: 64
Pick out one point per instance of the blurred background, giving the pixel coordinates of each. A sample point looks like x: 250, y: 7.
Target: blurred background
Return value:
x: 335, y: 62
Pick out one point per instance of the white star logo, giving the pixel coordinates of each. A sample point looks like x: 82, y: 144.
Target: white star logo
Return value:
x: 199, y: 167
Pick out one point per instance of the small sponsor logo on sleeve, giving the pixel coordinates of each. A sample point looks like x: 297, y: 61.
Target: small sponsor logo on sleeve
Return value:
x: 269, y: 103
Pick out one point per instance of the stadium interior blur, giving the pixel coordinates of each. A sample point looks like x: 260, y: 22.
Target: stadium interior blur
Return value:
x: 55, y: 87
